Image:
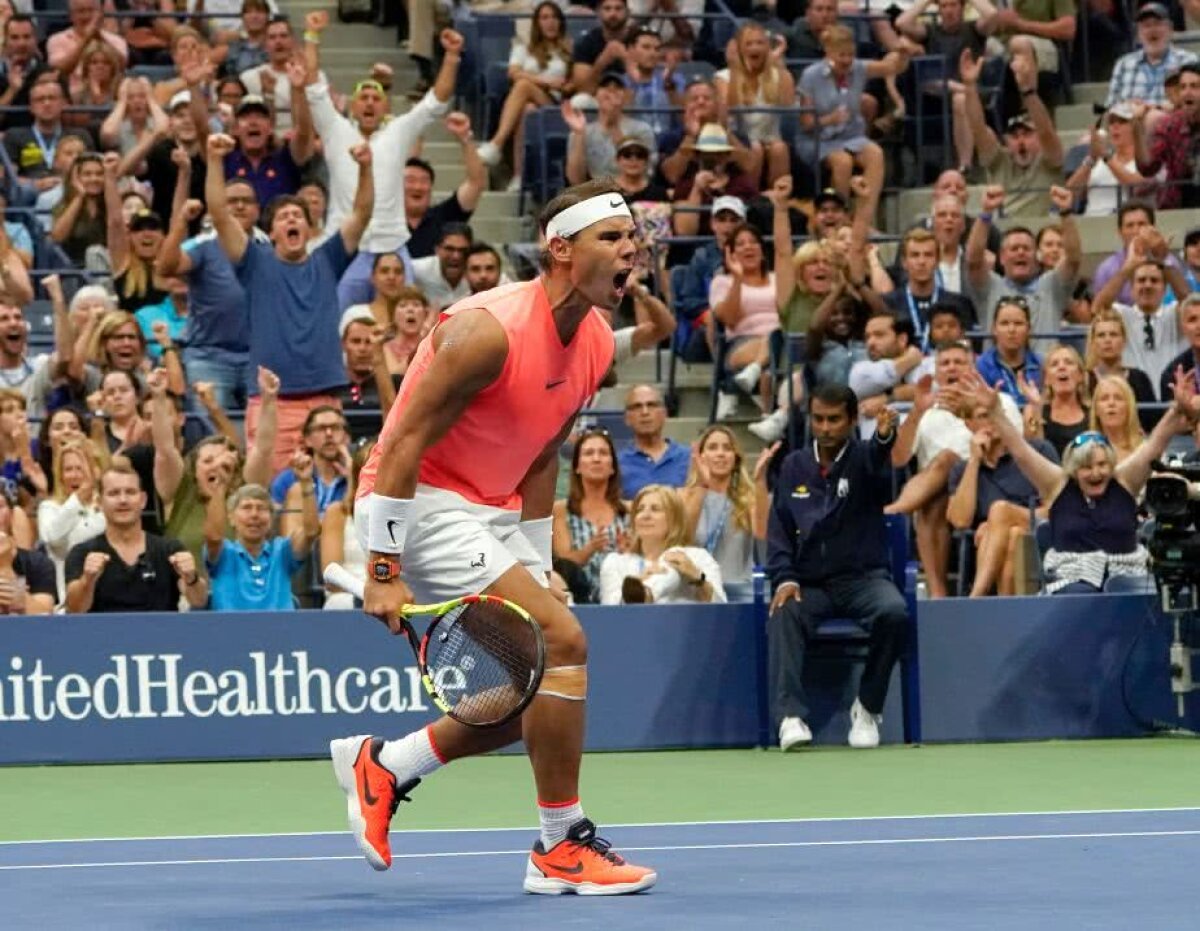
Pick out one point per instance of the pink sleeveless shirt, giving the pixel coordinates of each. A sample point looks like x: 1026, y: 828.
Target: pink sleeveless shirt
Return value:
x: 487, y: 452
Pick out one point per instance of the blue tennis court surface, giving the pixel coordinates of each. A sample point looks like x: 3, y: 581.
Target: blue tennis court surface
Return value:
x: 1080, y: 869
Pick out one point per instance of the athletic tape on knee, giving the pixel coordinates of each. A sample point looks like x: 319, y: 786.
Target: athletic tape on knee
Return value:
x: 568, y: 682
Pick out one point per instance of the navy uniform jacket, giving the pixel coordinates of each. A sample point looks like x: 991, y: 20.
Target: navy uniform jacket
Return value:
x: 825, y: 526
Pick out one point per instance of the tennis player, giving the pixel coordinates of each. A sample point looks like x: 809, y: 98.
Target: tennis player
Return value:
x: 456, y: 498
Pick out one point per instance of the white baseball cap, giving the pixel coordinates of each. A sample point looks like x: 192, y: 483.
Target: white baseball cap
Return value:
x: 729, y: 202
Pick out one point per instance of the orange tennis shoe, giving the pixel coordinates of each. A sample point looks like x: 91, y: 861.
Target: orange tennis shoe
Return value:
x: 583, y: 864
x: 371, y: 794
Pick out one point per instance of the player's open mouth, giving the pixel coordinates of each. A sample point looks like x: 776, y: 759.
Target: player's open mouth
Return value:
x: 620, y: 279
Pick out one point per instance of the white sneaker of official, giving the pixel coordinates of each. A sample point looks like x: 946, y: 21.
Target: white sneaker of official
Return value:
x: 793, y: 734
x: 727, y: 406
x: 864, y: 727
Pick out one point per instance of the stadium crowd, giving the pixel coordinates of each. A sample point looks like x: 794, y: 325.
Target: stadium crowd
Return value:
x: 215, y: 268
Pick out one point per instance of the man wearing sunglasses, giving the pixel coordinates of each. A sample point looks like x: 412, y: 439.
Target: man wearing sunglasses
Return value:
x: 1155, y: 328
x: 1048, y: 295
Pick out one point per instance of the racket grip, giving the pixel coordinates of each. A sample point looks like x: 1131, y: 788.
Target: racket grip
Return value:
x: 339, y: 576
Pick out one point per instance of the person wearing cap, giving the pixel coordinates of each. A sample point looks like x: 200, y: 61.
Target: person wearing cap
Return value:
x: 592, y: 147
x: 64, y: 50
x: 633, y: 173
x: 397, y: 214
x: 1030, y: 160
x: 1139, y: 76
x: 601, y: 49
x: 678, y: 144
x: 153, y: 158
x: 270, y: 81
x: 1135, y: 226
x: 31, y: 148
x: 291, y: 293
x: 132, y: 249
x: 1173, y: 144
x: 271, y: 167
x: 714, y: 173
x: 833, y: 88
x: 693, y: 337
x: 371, y: 389
x: 1110, y: 163
x: 830, y: 213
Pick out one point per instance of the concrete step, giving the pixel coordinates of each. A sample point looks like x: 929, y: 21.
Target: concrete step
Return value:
x: 1094, y: 92
x: 1074, y: 117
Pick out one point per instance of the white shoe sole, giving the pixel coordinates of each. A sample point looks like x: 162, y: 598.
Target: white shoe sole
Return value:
x: 795, y: 745
x: 344, y: 752
x: 537, y: 884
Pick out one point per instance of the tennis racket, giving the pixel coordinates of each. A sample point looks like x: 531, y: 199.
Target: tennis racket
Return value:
x: 481, y: 658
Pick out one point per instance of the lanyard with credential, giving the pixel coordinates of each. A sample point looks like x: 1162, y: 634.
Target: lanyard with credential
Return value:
x: 922, y: 329
x: 47, y: 150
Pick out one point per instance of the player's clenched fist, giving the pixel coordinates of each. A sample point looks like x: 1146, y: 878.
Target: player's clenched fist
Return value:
x: 384, y: 600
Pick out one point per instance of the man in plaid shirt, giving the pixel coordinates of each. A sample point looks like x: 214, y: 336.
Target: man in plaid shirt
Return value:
x: 1139, y: 75
x: 1175, y: 144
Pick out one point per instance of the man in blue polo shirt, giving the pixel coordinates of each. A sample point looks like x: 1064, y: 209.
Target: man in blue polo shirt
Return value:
x: 253, y: 571
x: 650, y: 458
x: 273, y: 169
x: 291, y: 294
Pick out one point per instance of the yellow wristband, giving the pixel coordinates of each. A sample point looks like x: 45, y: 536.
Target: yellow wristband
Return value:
x: 313, y: 37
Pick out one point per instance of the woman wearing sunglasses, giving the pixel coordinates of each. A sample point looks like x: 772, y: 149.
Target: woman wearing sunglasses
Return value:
x: 1092, y: 498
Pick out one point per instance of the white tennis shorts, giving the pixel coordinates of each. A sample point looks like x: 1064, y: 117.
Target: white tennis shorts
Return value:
x: 454, y: 547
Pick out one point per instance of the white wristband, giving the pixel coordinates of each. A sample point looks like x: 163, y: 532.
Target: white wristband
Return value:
x: 540, y: 534
x: 387, y: 523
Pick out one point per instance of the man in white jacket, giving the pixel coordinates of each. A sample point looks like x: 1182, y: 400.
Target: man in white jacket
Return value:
x: 390, y: 139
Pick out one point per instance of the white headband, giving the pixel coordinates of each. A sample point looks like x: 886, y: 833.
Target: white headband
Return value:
x: 567, y: 223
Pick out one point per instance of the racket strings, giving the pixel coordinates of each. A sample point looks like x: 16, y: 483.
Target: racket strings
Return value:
x: 483, y: 660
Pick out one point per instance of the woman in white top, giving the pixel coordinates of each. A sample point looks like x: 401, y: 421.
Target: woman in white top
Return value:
x: 73, y: 514
x: 660, y: 567
x: 538, y: 71
x: 1110, y: 163
x: 339, y: 542
x: 758, y: 78
x: 726, y: 509
x: 743, y: 299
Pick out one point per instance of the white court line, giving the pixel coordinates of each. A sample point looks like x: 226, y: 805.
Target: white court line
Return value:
x: 631, y: 824
x: 453, y: 854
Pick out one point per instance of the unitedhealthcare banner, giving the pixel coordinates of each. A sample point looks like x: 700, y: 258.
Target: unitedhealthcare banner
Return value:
x: 254, y: 686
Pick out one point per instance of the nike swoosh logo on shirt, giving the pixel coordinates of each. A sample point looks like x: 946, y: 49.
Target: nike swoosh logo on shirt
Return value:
x: 555, y: 384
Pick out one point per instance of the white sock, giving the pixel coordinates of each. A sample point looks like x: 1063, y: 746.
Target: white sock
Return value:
x: 557, y: 819
x: 411, y: 757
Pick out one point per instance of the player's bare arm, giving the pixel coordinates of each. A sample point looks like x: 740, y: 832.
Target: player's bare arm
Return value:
x: 469, y: 353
